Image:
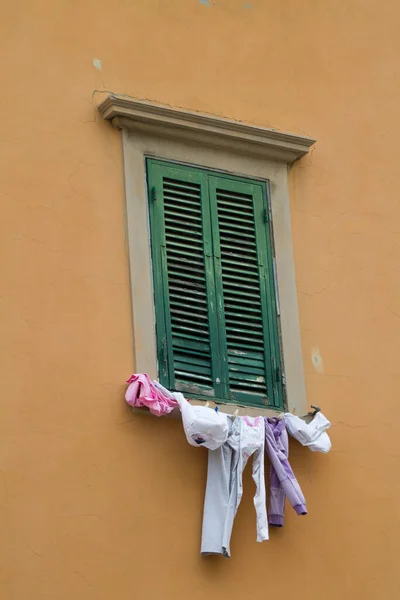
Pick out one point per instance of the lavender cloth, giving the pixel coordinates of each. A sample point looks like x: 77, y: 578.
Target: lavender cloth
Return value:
x: 282, y: 480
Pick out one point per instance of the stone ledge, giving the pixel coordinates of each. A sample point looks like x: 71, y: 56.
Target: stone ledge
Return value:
x: 198, y: 128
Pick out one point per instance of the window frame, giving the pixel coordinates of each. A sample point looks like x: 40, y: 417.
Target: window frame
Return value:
x: 151, y: 131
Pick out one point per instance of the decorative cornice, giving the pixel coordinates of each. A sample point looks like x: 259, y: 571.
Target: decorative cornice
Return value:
x: 206, y: 130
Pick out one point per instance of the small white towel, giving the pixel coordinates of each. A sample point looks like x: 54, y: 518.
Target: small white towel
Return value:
x: 203, y: 426
x: 313, y: 434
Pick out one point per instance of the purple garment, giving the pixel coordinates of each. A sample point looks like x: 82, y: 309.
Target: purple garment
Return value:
x: 282, y: 480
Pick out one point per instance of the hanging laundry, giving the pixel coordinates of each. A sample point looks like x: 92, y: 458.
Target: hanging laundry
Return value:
x: 203, y: 426
x: 142, y: 392
x: 313, y: 434
x: 225, y: 484
x: 282, y: 480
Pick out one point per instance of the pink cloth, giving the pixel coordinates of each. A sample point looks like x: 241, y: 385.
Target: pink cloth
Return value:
x: 142, y: 392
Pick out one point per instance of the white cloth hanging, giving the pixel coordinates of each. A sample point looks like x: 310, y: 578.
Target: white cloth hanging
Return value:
x: 203, y: 426
x: 313, y: 434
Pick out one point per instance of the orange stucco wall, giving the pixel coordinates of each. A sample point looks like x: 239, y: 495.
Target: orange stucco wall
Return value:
x: 97, y: 503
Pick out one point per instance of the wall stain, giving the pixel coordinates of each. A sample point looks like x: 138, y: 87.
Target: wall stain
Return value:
x: 205, y: 2
x: 317, y: 360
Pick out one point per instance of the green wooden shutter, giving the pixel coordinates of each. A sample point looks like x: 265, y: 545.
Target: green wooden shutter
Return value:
x: 216, y: 321
x: 242, y: 243
x: 187, y: 330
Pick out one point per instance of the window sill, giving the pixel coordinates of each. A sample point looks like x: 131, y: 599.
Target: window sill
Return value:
x: 249, y: 411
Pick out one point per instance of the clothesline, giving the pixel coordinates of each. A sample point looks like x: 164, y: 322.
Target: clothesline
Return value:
x: 142, y: 392
x: 231, y: 440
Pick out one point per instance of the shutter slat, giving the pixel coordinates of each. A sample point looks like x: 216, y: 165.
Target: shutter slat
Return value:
x: 230, y: 212
x: 177, y: 185
x: 231, y: 297
x: 190, y: 301
x: 174, y: 215
x: 174, y: 271
x: 249, y: 322
x: 243, y: 201
x: 231, y: 251
x: 188, y: 236
x: 190, y: 327
x: 242, y: 278
x: 191, y: 375
x: 180, y: 204
x: 259, y: 371
x: 184, y: 309
x: 192, y: 359
x: 234, y: 290
x: 193, y: 346
x: 187, y: 259
x: 192, y: 294
x: 237, y: 267
x: 238, y: 228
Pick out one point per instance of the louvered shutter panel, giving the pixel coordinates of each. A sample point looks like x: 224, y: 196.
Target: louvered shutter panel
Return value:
x: 243, y: 248
x: 184, y: 280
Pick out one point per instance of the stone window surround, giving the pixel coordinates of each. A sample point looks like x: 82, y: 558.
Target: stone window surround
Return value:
x: 150, y: 130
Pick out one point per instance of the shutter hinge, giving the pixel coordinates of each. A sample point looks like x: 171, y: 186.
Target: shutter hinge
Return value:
x: 266, y: 215
x: 153, y: 194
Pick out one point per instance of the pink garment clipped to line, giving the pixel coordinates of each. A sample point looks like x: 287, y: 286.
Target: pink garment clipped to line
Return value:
x: 142, y: 392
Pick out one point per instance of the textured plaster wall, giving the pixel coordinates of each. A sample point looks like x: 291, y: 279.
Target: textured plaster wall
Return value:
x: 97, y: 503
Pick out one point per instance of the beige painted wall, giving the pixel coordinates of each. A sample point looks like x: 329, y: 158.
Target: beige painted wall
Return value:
x: 97, y: 503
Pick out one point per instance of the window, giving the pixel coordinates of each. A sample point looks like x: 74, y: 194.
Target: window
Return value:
x: 214, y: 291
x: 218, y: 147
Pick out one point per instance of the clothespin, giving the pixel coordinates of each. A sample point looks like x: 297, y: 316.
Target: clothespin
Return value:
x: 235, y: 414
x: 280, y: 416
x: 207, y: 404
x: 216, y: 409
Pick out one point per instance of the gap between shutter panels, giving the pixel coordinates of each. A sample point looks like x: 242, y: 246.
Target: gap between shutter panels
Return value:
x: 242, y: 296
x: 187, y: 286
